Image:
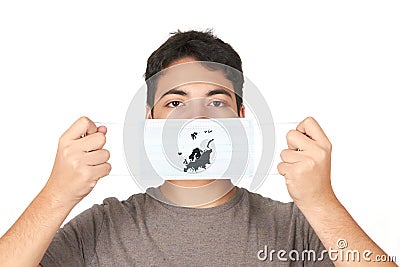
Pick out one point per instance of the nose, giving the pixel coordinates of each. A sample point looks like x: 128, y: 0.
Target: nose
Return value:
x: 192, y: 112
x: 197, y: 110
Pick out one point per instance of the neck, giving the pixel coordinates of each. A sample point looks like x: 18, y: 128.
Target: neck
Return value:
x: 198, y: 193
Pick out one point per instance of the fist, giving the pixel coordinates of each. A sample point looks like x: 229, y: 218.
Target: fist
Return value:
x: 80, y: 161
x: 306, y: 164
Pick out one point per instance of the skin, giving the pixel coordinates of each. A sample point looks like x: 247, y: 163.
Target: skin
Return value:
x: 81, y: 161
x: 306, y: 166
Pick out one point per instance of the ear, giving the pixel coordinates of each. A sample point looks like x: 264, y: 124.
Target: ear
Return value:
x: 148, y: 112
x: 242, y: 111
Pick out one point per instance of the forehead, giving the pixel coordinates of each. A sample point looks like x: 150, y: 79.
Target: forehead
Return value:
x: 192, y: 72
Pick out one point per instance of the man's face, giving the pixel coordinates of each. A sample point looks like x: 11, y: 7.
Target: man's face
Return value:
x: 175, y: 100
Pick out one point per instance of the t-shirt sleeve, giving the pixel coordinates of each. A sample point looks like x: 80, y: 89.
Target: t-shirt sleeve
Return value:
x: 74, y: 244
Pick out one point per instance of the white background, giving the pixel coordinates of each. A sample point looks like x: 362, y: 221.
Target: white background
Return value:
x: 336, y: 61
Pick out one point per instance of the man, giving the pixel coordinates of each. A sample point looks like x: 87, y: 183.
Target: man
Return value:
x: 239, y: 229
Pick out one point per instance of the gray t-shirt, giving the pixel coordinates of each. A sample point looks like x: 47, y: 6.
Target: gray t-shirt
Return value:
x: 143, y: 231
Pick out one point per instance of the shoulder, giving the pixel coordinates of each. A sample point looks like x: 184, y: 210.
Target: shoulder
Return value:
x: 110, y: 215
x: 259, y: 201
x: 285, y: 216
x: 110, y: 209
x: 266, y: 207
x: 112, y: 206
x: 134, y: 199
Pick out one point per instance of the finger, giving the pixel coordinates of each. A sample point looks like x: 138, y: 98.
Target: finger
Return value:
x: 97, y: 157
x: 291, y: 156
x: 82, y: 126
x: 101, y: 170
x: 297, y: 140
x: 312, y: 129
x: 92, y: 142
x: 102, y: 129
x: 284, y: 168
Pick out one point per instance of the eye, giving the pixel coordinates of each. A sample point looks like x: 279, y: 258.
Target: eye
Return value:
x: 174, y: 104
x: 217, y: 103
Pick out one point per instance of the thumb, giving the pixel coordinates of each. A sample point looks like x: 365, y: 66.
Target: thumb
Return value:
x: 102, y: 129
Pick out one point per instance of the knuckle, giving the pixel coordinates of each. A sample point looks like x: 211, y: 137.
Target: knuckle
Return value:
x: 280, y: 170
x: 290, y: 134
x: 75, y: 163
x: 309, y: 121
x: 107, y: 154
x: 282, y: 155
x: 61, y: 140
x: 101, y: 139
x: 322, y: 154
x: 66, y: 151
x: 92, y: 183
x: 298, y: 172
x: 329, y: 146
x: 310, y: 118
x: 105, y: 170
x: 86, y: 173
x: 84, y: 120
x: 279, y: 166
x: 108, y: 168
x: 310, y: 163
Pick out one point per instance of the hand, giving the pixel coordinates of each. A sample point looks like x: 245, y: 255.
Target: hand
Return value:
x: 80, y: 161
x: 306, y: 164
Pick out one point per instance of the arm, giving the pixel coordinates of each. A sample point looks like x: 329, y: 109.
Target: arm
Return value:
x: 80, y: 162
x: 25, y: 243
x: 306, y: 165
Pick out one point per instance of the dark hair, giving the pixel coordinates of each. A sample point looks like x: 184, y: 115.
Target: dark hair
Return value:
x: 201, y: 45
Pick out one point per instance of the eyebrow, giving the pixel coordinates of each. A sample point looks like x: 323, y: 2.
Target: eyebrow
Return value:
x: 209, y: 93
x: 219, y: 92
x: 174, y: 92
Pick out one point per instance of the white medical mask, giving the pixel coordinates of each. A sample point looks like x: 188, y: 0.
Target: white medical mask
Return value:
x: 199, y: 149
